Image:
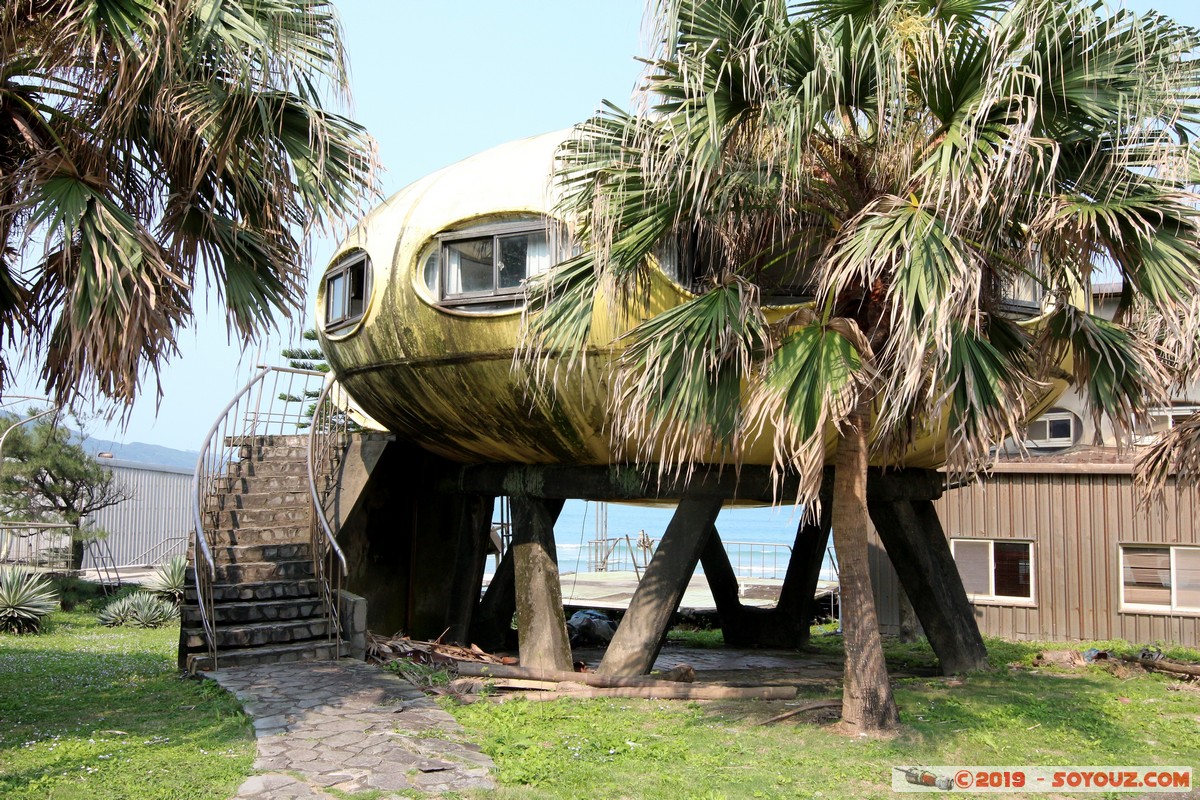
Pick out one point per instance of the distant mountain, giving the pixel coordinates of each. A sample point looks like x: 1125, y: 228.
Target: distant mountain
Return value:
x: 142, y: 453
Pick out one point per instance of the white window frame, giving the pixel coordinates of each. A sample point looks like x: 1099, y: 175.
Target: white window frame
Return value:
x: 337, y: 320
x: 1141, y: 608
x: 1049, y: 441
x: 1001, y: 599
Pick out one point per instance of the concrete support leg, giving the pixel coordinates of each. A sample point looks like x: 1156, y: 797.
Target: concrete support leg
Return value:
x: 723, y: 583
x: 786, y: 625
x: 491, y: 622
x: 798, y: 595
x: 913, y: 536
x: 474, y: 526
x: 640, y: 635
x: 540, y: 622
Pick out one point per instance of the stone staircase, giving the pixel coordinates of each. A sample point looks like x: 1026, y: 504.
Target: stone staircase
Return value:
x: 266, y: 601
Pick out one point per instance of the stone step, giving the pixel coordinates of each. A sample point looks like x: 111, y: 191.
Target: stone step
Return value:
x: 262, y: 590
x: 257, y: 553
x: 317, y: 650
x: 258, y: 571
x: 256, y: 484
x: 294, y: 608
x: 268, y: 440
x: 259, y: 634
x: 285, y: 534
x: 276, y: 452
x: 269, y: 469
x: 294, y: 498
x: 231, y: 519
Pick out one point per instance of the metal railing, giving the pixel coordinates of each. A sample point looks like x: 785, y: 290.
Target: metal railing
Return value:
x: 621, y: 553
x: 328, y: 438
x: 749, y: 560
x: 42, y: 545
x: 273, y: 402
x: 759, y: 559
x: 162, y: 551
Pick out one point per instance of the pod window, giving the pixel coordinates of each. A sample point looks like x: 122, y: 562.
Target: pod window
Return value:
x: 486, y: 267
x: 347, y: 286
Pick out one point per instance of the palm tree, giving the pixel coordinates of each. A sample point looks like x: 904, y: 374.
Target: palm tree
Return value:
x: 852, y: 189
x: 151, y: 147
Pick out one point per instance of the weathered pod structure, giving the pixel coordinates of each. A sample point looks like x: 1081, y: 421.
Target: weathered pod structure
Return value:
x: 419, y: 314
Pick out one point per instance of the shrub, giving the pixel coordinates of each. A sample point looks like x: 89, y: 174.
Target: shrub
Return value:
x: 139, y: 610
x: 170, y: 580
x: 74, y: 591
x: 25, y: 598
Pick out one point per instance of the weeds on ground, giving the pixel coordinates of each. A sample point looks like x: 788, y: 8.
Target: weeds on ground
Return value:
x: 102, y: 714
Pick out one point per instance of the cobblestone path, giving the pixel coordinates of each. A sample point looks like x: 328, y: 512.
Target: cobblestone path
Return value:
x: 348, y: 726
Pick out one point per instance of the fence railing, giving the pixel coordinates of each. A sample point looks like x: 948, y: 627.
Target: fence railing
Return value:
x: 44, y: 545
x: 632, y: 553
x: 273, y: 402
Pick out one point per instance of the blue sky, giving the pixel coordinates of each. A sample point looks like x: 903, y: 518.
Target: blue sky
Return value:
x: 434, y: 82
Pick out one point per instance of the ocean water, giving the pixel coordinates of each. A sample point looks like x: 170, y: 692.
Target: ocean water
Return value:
x: 757, y: 539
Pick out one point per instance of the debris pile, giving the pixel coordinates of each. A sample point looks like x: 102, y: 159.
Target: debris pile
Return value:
x: 382, y: 649
x: 466, y: 673
x: 1150, y: 659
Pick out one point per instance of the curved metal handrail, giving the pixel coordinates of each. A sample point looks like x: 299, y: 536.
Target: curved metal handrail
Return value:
x: 200, y: 492
x: 326, y: 442
x: 317, y: 500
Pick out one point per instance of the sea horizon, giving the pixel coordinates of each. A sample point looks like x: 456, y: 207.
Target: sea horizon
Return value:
x: 759, y: 538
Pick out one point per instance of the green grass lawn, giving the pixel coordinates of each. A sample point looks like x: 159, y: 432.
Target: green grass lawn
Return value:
x: 654, y: 749
x: 95, y: 713
x: 90, y: 712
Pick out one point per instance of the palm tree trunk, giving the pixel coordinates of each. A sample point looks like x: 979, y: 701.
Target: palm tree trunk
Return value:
x: 867, y: 702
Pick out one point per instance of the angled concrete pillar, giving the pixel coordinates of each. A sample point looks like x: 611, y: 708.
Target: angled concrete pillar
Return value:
x: 540, y: 623
x: 490, y: 624
x: 787, y: 624
x: 640, y: 635
x: 473, y: 528
x: 917, y: 546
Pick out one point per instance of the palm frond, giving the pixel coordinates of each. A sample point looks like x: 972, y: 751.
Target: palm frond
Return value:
x: 179, y: 137
x: 1176, y: 453
x: 680, y: 378
x: 813, y: 380
x: 1119, y: 373
x: 986, y: 398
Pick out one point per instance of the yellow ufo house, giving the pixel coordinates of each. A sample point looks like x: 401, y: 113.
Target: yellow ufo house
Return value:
x: 420, y: 309
x: 419, y: 315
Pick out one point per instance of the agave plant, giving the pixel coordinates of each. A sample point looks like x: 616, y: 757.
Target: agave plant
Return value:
x: 25, y: 599
x: 138, y: 610
x: 169, y: 580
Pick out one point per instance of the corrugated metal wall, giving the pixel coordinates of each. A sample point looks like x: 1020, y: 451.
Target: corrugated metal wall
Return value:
x: 154, y: 523
x: 1077, y: 521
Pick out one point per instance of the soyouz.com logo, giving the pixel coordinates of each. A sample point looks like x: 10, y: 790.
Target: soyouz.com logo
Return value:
x: 1041, y: 779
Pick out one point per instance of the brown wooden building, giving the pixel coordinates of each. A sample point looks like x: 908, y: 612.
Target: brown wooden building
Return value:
x: 1057, y: 549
